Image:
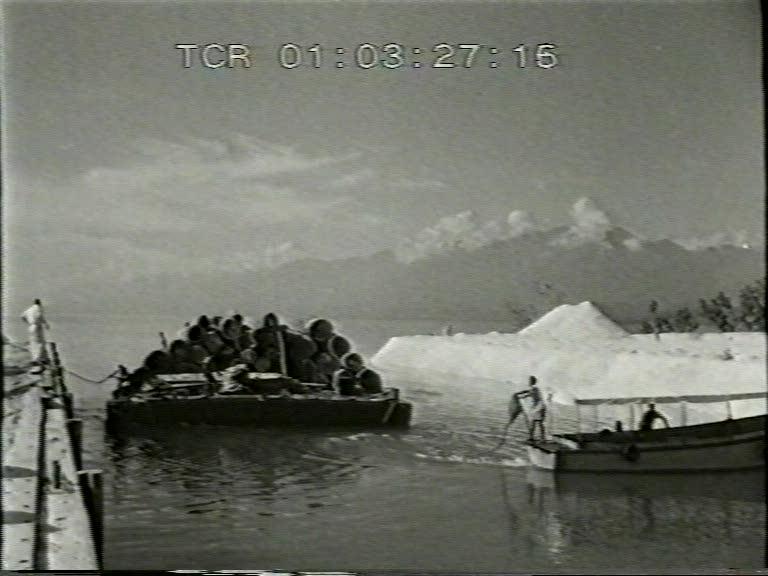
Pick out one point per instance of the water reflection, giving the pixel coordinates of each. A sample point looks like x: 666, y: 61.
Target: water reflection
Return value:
x: 737, y: 485
x: 647, y: 519
x: 240, y: 463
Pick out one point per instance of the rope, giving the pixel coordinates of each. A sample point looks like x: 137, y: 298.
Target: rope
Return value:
x: 67, y: 370
x: 76, y: 375
x: 504, y: 434
x: 502, y: 442
x: 18, y: 347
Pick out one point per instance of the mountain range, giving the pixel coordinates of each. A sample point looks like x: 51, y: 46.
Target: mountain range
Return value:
x: 514, y: 279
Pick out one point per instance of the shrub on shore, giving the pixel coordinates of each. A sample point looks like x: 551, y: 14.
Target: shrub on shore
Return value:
x: 748, y: 315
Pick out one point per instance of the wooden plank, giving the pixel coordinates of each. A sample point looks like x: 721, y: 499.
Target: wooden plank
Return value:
x: 67, y: 539
x: 22, y: 431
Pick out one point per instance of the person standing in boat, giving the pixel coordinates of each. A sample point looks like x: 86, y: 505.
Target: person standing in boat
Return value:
x: 538, y: 411
x: 650, y: 416
x: 270, y: 339
x: 37, y: 324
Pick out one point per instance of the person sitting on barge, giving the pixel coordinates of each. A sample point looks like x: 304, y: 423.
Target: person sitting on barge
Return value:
x: 129, y: 384
x: 181, y: 358
x: 354, y: 378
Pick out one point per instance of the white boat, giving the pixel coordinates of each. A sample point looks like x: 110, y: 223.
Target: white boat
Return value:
x: 730, y: 444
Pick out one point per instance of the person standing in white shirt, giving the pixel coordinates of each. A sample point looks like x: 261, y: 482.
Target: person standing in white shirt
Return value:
x: 538, y: 411
x: 36, y: 324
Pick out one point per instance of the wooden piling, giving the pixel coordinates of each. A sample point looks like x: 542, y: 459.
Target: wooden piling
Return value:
x: 55, y: 354
x: 56, y: 372
x: 55, y: 369
x: 97, y: 518
x: 683, y: 413
x: 75, y: 428
x: 92, y: 489
x: 69, y: 404
x: 56, y: 474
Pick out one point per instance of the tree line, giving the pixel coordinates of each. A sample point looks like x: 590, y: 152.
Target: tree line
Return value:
x: 747, y: 314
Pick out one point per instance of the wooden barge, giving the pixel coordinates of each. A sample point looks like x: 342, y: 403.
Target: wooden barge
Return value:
x: 187, y: 402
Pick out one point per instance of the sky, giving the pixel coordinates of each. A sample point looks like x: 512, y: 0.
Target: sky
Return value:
x: 117, y: 160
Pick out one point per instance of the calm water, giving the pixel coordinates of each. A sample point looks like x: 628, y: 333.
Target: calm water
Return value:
x: 425, y: 499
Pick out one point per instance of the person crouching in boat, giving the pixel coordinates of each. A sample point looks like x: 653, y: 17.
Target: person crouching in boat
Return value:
x: 325, y: 366
x: 354, y: 378
x: 129, y: 384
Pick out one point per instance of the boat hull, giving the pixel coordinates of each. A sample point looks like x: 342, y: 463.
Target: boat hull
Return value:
x: 252, y: 410
x: 738, y: 448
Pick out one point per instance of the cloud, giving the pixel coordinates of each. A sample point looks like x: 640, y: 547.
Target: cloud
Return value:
x: 462, y: 231
x: 171, y: 185
x: 415, y: 184
x: 352, y: 179
x: 633, y: 244
x: 590, y: 224
x: 519, y: 222
x: 274, y: 256
x: 271, y: 256
x: 152, y: 162
x: 716, y: 240
x: 188, y: 207
x: 217, y: 193
x: 85, y: 258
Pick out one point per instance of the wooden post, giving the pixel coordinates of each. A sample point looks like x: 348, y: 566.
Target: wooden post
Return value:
x: 389, y: 411
x: 75, y: 428
x: 683, y: 413
x: 92, y: 489
x: 54, y: 369
x: 597, y: 418
x: 551, y: 415
x: 97, y: 487
x: 56, y: 474
x: 57, y: 370
x: 55, y: 354
x: 632, y: 422
x: 69, y: 404
x: 729, y: 408
x: 281, y: 350
x: 62, y: 383
x: 163, y: 341
x: 578, y: 418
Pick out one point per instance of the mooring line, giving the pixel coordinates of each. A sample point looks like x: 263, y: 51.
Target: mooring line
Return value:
x: 67, y: 370
x: 76, y: 375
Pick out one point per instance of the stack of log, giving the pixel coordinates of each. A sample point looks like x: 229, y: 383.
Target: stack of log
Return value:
x: 308, y: 354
